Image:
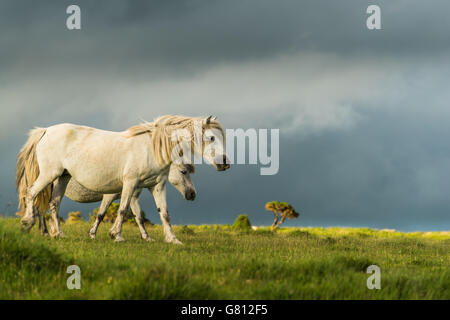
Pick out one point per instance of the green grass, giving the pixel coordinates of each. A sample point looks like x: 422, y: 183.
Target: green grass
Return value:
x: 218, y: 262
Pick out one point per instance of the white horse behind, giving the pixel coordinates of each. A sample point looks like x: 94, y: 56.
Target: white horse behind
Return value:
x: 112, y: 162
x: 179, y: 176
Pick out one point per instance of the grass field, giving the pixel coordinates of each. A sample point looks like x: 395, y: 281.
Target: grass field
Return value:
x: 217, y: 262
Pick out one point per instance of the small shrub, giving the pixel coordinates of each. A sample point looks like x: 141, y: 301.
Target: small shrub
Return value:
x: 74, y: 217
x: 187, y: 230
x: 242, y: 223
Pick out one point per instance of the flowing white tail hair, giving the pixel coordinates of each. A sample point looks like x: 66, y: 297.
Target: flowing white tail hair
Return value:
x: 27, y: 171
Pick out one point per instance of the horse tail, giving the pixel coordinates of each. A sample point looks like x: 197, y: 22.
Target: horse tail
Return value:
x: 27, y: 171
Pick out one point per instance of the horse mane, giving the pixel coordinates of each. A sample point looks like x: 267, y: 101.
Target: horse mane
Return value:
x: 146, y: 127
x: 160, y: 131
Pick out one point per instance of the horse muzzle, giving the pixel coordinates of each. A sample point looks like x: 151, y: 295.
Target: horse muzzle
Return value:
x: 190, y: 195
x: 222, y: 167
x: 222, y: 163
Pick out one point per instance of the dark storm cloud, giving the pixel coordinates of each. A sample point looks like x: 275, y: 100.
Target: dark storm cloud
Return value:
x: 363, y: 114
x: 158, y: 35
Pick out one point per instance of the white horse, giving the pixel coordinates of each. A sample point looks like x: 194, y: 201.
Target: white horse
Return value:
x: 179, y: 175
x: 113, y: 162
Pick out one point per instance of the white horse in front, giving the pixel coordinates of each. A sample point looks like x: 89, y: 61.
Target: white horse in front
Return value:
x: 113, y: 162
x: 179, y: 176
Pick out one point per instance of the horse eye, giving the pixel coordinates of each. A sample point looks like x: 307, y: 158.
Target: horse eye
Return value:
x: 213, y: 138
x: 183, y: 172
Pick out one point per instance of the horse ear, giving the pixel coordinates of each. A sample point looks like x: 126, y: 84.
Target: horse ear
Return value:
x: 209, y: 119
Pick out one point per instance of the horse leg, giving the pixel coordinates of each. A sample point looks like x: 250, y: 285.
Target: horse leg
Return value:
x: 159, y: 194
x: 128, y: 190
x: 106, y: 202
x: 29, y: 219
x: 43, y: 224
x: 59, y: 188
x: 136, y: 209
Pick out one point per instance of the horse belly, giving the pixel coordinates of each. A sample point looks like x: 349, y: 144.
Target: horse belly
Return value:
x: 78, y: 193
x: 99, y: 184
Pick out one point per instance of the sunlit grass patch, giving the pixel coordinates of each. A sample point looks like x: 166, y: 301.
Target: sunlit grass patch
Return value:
x: 220, y: 262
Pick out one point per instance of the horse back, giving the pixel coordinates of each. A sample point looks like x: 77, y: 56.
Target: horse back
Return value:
x: 96, y: 158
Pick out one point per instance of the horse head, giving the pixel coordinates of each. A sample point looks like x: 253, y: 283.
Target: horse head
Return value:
x: 214, y: 144
x: 180, y: 178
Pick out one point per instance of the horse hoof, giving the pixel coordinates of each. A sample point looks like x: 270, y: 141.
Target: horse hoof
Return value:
x: 175, y: 241
x: 119, y: 239
x: 26, y: 226
x: 58, y: 235
x: 91, y: 235
x: 148, y: 239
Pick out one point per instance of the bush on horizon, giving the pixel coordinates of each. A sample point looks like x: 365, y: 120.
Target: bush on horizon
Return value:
x: 242, y: 223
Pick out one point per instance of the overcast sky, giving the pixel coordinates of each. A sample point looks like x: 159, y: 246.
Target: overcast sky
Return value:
x: 363, y: 114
